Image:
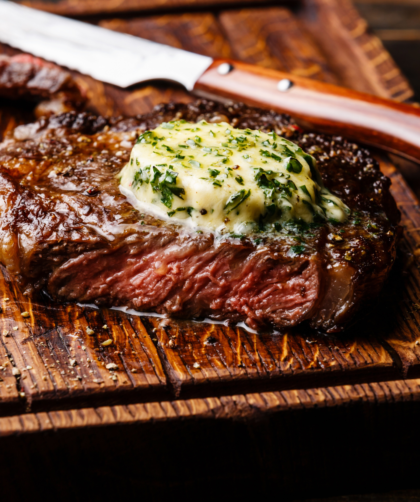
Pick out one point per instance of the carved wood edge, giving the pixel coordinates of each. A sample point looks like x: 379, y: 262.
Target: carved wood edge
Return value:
x: 236, y: 407
x: 355, y: 41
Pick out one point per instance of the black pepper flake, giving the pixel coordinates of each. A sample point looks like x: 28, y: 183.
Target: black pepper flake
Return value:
x: 210, y: 340
x: 203, y: 211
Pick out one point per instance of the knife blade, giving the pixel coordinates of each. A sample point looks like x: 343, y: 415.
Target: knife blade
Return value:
x: 125, y: 60
x: 109, y: 56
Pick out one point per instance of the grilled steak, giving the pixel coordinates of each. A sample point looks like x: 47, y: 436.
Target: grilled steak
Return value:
x: 27, y: 77
x: 65, y: 227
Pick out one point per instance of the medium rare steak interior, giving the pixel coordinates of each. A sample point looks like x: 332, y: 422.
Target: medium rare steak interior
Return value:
x: 65, y: 227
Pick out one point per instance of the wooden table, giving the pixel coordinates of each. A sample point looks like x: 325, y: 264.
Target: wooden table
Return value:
x: 238, y: 413
x: 397, y: 24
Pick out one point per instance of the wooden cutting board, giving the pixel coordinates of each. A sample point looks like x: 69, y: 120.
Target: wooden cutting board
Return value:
x: 167, y: 373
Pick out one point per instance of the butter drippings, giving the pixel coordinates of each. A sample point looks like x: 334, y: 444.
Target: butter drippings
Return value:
x: 216, y: 177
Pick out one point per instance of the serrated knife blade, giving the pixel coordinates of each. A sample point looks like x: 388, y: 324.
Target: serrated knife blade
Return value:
x: 106, y: 55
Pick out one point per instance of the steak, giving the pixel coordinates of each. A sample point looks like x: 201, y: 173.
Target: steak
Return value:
x: 66, y: 228
x: 27, y: 77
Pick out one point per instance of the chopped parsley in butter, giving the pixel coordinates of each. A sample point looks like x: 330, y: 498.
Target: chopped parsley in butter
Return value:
x: 216, y: 177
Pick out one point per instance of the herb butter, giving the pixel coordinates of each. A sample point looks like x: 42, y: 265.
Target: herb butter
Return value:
x: 216, y: 177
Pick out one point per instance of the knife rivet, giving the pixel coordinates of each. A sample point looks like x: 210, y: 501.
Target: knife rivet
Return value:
x: 284, y: 85
x: 224, y: 68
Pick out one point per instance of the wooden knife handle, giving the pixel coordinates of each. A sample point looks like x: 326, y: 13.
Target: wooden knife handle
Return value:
x: 365, y: 118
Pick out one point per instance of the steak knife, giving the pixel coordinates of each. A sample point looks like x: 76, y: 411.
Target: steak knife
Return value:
x: 125, y: 60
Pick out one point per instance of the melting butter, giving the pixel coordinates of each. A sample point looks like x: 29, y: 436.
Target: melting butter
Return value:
x: 216, y: 177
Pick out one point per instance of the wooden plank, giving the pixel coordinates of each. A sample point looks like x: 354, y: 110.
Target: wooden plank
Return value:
x: 247, y: 406
x: 9, y: 393
x: 32, y: 379
x: 274, y: 38
x: 58, y: 362
x: 202, y: 359
x: 299, y: 442
x: 403, y: 316
x: 347, y: 40
x: 200, y: 32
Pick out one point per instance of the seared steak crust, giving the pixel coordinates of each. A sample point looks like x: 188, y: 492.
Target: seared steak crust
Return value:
x: 27, y: 77
x: 66, y: 227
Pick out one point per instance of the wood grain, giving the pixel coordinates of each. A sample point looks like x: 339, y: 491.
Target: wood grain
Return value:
x: 404, y: 336
x: 240, y: 406
x: 199, y: 32
x: 302, y: 443
x: 283, y: 43
x: 59, y: 363
x: 397, y: 24
x: 375, y: 71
